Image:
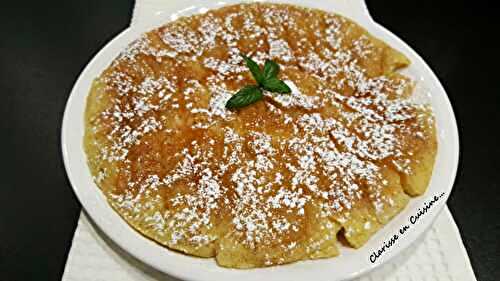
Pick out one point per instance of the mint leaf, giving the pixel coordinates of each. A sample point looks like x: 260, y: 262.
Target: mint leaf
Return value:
x: 271, y: 69
x: 247, y: 95
x: 276, y: 85
x: 254, y: 69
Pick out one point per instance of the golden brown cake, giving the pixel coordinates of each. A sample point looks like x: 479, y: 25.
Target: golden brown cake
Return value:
x: 274, y: 182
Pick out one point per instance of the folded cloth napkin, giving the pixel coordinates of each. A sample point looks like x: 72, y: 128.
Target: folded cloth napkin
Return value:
x: 439, y: 255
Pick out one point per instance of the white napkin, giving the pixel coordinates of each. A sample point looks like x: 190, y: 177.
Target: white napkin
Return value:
x: 440, y: 255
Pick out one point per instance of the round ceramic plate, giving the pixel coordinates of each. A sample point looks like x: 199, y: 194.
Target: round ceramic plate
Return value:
x: 351, y: 263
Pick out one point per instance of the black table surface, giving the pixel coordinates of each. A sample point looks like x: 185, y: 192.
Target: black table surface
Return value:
x: 45, y: 44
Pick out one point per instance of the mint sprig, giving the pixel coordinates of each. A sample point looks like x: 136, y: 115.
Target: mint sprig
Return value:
x: 267, y: 79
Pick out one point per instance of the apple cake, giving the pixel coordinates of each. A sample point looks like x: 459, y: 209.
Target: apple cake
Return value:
x: 287, y: 178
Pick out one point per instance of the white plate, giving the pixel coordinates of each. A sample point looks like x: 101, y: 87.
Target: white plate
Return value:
x: 350, y: 263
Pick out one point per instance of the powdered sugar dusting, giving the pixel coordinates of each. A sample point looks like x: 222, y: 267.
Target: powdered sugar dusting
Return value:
x: 185, y: 168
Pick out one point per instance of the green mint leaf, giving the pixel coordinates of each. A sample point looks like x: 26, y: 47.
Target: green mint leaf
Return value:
x: 271, y: 69
x: 276, y: 85
x: 247, y: 95
x: 254, y: 69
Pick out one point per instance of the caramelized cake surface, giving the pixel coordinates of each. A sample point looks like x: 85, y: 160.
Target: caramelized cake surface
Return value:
x: 277, y: 181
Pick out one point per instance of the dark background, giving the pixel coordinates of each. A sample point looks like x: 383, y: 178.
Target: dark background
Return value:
x: 45, y: 44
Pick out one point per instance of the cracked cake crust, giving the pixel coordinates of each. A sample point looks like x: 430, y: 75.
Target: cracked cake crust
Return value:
x: 277, y: 181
